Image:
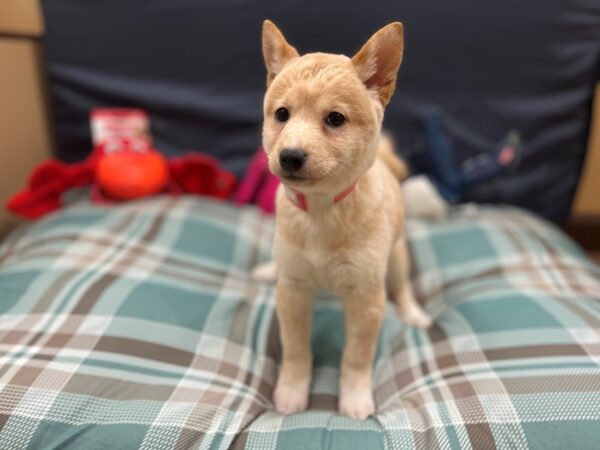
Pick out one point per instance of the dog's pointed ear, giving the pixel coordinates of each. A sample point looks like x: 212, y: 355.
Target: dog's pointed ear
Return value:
x: 377, y: 62
x: 276, y: 51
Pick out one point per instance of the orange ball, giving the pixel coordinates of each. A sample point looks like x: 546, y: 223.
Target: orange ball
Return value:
x: 129, y: 175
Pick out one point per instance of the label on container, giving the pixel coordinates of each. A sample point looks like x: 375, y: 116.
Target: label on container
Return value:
x: 119, y: 123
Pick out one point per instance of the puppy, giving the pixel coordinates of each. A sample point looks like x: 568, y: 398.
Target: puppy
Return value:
x: 340, y: 218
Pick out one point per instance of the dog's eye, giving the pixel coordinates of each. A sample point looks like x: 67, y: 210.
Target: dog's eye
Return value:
x: 282, y: 114
x: 335, y: 119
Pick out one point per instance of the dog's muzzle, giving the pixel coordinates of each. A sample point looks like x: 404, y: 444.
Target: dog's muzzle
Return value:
x: 292, y: 160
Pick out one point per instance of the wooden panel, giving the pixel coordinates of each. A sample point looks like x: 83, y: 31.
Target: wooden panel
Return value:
x: 587, y: 200
x: 21, y: 17
x: 24, y: 129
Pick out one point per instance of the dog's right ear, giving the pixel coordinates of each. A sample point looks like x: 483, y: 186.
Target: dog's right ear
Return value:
x: 377, y: 62
x: 276, y: 51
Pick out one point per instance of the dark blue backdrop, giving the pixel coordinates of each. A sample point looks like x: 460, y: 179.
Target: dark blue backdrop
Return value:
x: 196, y: 66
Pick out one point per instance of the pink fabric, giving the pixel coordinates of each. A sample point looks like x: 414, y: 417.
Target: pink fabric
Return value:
x: 259, y: 185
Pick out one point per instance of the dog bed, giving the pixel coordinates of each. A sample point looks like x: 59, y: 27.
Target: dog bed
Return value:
x: 138, y: 326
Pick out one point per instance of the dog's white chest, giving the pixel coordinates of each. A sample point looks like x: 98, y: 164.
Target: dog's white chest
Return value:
x: 328, y: 266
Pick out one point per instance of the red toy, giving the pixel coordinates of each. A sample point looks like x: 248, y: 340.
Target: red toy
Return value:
x: 121, y: 169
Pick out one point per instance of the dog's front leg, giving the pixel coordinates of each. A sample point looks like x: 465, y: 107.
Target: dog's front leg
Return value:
x: 363, y: 316
x: 294, y: 303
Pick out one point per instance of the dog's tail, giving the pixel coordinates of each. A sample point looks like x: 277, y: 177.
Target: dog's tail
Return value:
x: 386, y: 152
x: 421, y: 199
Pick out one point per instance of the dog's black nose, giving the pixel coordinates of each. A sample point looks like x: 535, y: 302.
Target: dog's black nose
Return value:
x: 292, y: 159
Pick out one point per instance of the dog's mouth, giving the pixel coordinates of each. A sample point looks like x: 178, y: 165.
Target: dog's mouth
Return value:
x: 302, y: 179
x: 295, y: 178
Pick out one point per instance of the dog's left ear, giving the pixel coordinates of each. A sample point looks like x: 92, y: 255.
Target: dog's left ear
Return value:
x: 377, y: 62
x: 276, y: 51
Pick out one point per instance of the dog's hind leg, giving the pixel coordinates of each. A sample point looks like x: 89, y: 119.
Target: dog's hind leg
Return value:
x: 266, y: 272
x: 400, y: 289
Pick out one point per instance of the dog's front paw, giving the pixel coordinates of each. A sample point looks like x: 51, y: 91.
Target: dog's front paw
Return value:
x: 415, y: 316
x: 290, y: 398
x: 357, y: 404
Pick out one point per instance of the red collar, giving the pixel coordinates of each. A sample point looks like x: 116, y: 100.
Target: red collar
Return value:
x: 299, y: 199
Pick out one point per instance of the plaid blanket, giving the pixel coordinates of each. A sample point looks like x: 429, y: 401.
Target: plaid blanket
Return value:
x: 138, y: 326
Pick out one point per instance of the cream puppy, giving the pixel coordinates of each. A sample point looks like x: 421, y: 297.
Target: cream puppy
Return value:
x: 340, y: 217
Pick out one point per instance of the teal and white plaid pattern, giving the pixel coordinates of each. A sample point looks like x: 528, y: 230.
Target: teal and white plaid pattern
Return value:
x: 138, y: 326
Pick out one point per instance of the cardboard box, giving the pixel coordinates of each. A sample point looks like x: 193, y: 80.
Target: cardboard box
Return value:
x: 25, y: 137
x: 587, y: 200
x: 21, y: 17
